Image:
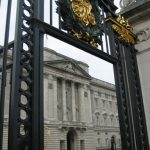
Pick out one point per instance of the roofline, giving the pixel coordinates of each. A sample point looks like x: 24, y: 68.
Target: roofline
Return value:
x: 66, y: 57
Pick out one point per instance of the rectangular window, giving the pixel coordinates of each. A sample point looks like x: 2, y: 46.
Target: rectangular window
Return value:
x: 110, y: 106
x: 96, y: 103
x: 82, y: 145
x: 77, y: 102
x: 62, y: 145
x: 59, y: 100
x: 106, y: 95
x: 104, y: 104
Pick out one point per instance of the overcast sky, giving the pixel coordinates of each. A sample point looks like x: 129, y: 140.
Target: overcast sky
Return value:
x: 97, y: 67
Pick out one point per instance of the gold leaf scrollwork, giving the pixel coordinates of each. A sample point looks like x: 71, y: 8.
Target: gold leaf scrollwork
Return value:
x: 82, y: 10
x: 80, y: 35
x: 124, y: 34
x: 123, y: 29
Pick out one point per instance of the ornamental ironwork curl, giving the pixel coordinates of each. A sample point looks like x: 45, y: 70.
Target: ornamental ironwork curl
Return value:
x: 82, y: 19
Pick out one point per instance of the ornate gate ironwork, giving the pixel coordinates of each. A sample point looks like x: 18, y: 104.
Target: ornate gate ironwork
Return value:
x: 28, y: 57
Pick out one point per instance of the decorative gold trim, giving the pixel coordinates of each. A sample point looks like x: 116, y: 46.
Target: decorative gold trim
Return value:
x: 123, y: 29
x: 80, y: 35
x: 124, y: 22
x: 83, y: 11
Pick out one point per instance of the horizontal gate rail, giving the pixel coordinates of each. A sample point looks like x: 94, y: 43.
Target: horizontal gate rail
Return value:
x: 50, y: 30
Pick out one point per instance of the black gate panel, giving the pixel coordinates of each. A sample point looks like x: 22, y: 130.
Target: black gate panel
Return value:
x: 27, y: 132
x: 26, y: 107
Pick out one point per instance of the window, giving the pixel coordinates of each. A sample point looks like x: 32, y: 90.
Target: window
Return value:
x: 85, y: 94
x: 82, y: 145
x: 105, y: 120
x: 69, y: 100
x: 99, y: 142
x: 59, y: 100
x: 99, y: 94
x: 96, y: 103
x: 110, y: 105
x: 77, y: 102
x: 97, y: 119
x: 106, y: 95
x: 62, y: 145
x: 113, y: 97
x: 50, y: 86
x: 112, y: 120
x: 104, y: 104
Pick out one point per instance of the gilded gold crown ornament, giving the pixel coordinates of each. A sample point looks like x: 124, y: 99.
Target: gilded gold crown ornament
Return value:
x: 83, y: 11
x: 81, y: 18
x: 123, y: 29
x: 124, y: 22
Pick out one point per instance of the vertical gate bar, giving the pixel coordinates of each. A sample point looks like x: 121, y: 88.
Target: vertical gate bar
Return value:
x: 105, y: 32
x: 124, y: 108
x: 130, y: 130
x: 51, y: 12
x: 137, y: 100
x: 4, y: 74
x: 37, y: 102
x: 59, y: 19
x: 13, y: 112
x: 117, y: 84
x: 28, y: 55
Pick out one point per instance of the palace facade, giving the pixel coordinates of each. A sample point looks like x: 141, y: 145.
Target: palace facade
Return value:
x: 80, y: 112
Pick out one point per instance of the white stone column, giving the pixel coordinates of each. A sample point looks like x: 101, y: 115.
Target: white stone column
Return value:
x: 73, y: 101
x: 82, y: 105
x: 55, y: 97
x: 64, y: 100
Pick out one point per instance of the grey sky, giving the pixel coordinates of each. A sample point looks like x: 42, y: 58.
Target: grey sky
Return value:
x: 97, y: 67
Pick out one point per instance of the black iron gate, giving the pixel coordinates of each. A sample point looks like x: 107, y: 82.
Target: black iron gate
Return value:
x: 28, y: 57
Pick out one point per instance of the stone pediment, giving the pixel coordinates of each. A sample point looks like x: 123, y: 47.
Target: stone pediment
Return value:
x: 68, y: 65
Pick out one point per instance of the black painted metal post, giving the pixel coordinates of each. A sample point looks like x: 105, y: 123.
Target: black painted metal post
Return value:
x: 26, y: 133
x: 4, y: 74
x: 37, y: 105
x: 129, y: 97
x: 51, y: 12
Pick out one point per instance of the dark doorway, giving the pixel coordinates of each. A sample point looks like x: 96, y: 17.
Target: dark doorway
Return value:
x: 71, y: 140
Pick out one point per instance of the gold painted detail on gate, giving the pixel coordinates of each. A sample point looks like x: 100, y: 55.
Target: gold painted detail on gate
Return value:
x: 124, y: 34
x: 123, y: 29
x: 82, y: 19
x: 83, y: 11
x: 124, y: 23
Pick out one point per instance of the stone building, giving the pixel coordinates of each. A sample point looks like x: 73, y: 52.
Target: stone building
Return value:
x: 80, y: 112
x: 138, y: 14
